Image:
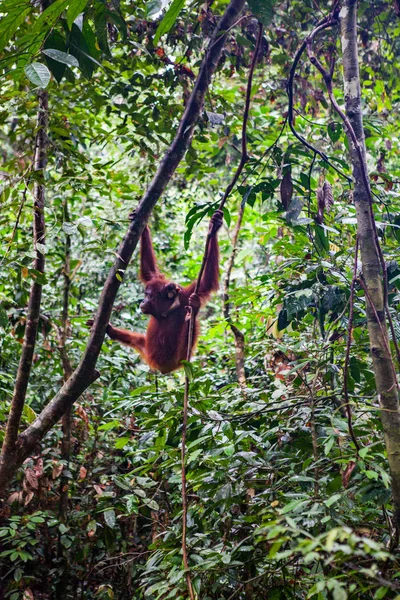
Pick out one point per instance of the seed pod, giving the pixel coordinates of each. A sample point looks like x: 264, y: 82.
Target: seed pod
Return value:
x: 286, y: 189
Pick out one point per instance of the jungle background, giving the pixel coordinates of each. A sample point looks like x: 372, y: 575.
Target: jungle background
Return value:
x: 281, y: 502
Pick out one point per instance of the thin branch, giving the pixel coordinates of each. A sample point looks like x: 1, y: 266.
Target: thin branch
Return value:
x: 324, y: 23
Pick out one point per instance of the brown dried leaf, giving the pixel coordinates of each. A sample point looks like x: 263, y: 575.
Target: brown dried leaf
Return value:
x: 15, y: 497
x: 32, y: 478
x: 38, y: 468
x: 347, y: 473
x: 328, y: 196
x: 28, y: 498
x: 57, y: 470
x: 82, y: 472
x: 82, y: 413
x: 28, y: 595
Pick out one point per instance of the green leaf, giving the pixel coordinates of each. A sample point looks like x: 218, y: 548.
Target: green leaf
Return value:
x: 100, y: 25
x: 293, y: 506
x: 109, y: 517
x: 29, y: 413
x: 38, y: 74
x: 263, y: 10
x: 355, y: 369
x: 169, y: 19
x: 82, y: 44
x: 151, y: 503
x: 3, y: 317
x: 364, y: 451
x: 122, y: 442
x: 153, y: 7
x: 61, y: 57
x: 75, y: 9
x: 9, y: 24
x: 57, y: 41
x: 321, y: 239
x: 49, y: 17
x: 334, y: 131
x: 332, y: 499
x: 188, y: 369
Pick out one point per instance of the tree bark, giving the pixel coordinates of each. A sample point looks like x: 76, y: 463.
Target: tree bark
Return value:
x: 35, y: 296
x: 373, y: 272
x: 86, y: 372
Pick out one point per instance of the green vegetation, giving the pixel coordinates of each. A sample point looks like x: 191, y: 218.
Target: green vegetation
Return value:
x: 290, y: 494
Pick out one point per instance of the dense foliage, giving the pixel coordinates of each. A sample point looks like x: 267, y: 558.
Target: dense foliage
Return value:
x: 280, y: 503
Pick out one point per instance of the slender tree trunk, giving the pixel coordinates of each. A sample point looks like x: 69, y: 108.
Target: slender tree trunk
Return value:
x: 32, y: 316
x: 86, y: 372
x: 238, y: 335
x: 386, y: 384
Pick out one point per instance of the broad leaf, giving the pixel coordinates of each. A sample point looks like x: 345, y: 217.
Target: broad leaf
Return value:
x: 49, y: 17
x: 62, y: 57
x: 10, y: 23
x: 55, y: 41
x: 75, y: 9
x: 169, y: 19
x: 38, y: 74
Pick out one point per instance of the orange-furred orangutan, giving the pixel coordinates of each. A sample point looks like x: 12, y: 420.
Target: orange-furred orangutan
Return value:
x: 165, y: 343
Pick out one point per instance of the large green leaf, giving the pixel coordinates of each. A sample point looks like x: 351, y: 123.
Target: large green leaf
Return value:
x: 15, y: 16
x: 100, y: 24
x: 82, y: 46
x: 38, y: 73
x: 49, y: 17
x: 169, y: 19
x: 75, y: 9
x: 61, y: 57
x: 55, y: 41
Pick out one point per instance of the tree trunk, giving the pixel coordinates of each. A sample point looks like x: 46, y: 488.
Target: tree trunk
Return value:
x: 7, y: 457
x: 373, y: 269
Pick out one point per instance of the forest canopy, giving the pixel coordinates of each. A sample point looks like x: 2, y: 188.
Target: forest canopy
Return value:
x: 214, y: 185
